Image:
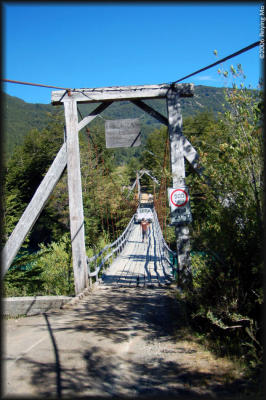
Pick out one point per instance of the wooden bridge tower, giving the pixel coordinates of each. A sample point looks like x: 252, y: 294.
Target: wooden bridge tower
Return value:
x: 69, y: 155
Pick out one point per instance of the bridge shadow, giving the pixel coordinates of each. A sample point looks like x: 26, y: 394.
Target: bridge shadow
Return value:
x: 143, y: 257
x: 57, y: 359
x: 102, y: 371
x: 155, y: 257
x: 146, y: 269
x: 128, y: 277
x: 161, y: 258
x: 129, y: 280
x: 103, y: 380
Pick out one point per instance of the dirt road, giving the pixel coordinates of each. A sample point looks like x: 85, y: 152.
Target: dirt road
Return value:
x: 115, y: 342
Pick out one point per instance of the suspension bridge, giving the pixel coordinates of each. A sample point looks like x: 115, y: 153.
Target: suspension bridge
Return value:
x: 69, y: 156
x: 120, y: 340
x: 135, y: 263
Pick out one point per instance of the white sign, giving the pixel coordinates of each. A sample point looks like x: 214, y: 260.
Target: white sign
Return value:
x: 179, y: 204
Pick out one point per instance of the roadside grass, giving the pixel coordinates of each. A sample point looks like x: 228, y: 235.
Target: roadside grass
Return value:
x: 210, y: 357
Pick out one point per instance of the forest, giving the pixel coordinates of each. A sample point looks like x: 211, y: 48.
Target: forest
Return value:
x: 225, y: 302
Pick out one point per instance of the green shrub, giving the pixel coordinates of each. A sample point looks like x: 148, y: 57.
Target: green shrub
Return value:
x: 57, y: 271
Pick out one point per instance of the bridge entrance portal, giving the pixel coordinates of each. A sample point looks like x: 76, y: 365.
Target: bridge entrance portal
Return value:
x: 69, y: 155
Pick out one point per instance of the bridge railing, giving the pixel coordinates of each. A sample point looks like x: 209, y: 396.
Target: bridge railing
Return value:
x: 164, y: 249
x: 100, y: 260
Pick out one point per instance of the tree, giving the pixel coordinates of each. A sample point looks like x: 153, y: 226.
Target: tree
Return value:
x: 227, y: 223
x: 25, y: 171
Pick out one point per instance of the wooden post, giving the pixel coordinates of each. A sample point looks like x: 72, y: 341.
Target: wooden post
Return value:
x: 178, y: 173
x: 75, y: 196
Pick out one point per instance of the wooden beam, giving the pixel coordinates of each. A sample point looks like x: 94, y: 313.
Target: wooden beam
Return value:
x: 118, y: 93
x: 33, y: 209
x: 93, y: 114
x: 175, y: 138
x: 179, y: 147
x: 155, y: 114
x: 75, y: 197
x: 191, y: 155
x: 183, y: 254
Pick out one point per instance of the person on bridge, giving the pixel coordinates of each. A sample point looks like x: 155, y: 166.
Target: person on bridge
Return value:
x: 145, y: 226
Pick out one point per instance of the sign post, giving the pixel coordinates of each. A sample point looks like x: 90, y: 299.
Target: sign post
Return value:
x: 179, y: 204
x: 178, y: 195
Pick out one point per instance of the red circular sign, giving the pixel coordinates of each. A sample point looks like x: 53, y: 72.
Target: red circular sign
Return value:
x: 183, y: 197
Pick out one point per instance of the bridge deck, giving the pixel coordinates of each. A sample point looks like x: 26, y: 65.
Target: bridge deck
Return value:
x: 139, y: 264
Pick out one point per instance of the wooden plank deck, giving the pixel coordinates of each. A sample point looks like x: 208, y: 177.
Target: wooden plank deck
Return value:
x: 139, y: 264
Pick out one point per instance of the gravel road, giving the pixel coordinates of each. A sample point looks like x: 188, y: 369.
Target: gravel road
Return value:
x: 114, y: 342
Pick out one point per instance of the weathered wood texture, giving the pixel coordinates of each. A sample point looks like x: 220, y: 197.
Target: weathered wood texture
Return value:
x: 118, y: 93
x: 183, y: 252
x: 191, y: 154
x: 176, y: 138
x: 177, y: 153
x: 139, y: 264
x: 155, y: 114
x: 93, y: 114
x: 122, y: 133
x: 33, y: 209
x: 75, y: 197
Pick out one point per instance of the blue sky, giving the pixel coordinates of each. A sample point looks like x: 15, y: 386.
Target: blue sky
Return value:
x: 79, y: 45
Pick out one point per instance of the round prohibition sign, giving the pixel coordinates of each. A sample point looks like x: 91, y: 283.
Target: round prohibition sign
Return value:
x: 175, y: 196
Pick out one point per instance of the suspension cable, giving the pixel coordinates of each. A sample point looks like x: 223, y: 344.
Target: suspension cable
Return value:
x: 36, y: 84
x: 220, y: 61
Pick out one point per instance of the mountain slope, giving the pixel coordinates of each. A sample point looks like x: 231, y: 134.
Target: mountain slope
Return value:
x: 19, y: 118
